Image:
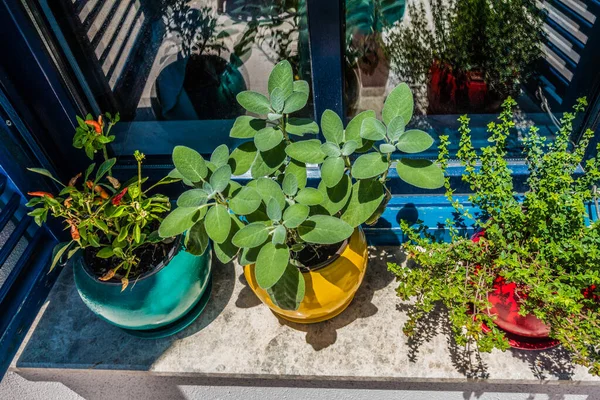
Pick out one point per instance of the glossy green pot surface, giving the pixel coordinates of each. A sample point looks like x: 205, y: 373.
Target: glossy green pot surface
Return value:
x: 153, y: 301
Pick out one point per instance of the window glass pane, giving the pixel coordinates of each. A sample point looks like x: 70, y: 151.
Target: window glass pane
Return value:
x: 467, y: 56
x: 173, y: 68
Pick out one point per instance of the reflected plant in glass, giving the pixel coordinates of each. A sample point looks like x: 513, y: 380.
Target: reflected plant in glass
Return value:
x: 277, y: 219
x: 471, y: 55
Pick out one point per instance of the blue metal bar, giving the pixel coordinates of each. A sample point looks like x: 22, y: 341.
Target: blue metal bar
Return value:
x: 326, y: 40
x: 9, y: 246
x: 7, y: 212
x: 26, y: 296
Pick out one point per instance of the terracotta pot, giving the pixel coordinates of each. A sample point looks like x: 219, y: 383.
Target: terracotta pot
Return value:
x: 505, y: 306
x: 329, y: 289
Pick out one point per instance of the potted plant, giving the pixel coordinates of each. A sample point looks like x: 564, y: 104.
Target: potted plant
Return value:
x: 199, y: 83
x: 124, y: 271
x: 365, y: 48
x: 529, y: 276
x: 473, y: 55
x: 302, y: 247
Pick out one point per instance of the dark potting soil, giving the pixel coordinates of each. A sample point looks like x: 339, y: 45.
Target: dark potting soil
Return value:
x: 313, y: 257
x: 150, y: 256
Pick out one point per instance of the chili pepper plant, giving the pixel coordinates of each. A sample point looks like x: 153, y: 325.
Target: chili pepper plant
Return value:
x: 278, y: 221
x: 108, y: 219
x: 545, y: 241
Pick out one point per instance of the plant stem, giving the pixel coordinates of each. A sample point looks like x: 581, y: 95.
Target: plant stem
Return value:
x: 140, y: 180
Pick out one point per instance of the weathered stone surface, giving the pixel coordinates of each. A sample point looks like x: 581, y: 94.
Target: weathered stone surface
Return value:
x: 239, y: 337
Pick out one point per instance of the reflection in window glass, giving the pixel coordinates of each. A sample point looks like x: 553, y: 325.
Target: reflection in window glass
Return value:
x: 467, y: 56
x: 178, y: 60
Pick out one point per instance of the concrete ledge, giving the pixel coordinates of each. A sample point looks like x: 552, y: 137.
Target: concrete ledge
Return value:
x: 238, y: 339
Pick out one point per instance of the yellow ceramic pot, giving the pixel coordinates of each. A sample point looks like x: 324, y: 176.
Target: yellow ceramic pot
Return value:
x: 329, y: 290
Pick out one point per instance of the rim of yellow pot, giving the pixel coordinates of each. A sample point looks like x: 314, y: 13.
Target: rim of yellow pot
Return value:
x: 330, y: 288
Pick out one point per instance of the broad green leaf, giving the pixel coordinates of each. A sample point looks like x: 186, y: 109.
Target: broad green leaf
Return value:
x: 289, y: 291
x: 349, y: 148
x: 274, y: 210
x: 301, y: 86
x: 273, y: 116
x: 336, y: 198
x: 246, y: 127
x: 294, y: 215
x: 301, y: 126
x: 269, y: 189
x: 249, y: 255
x: 267, y: 162
x: 220, y: 178
x: 355, y: 125
x: 395, y: 128
x: 331, y: 149
x: 242, y: 157
x: 332, y: 170
x: 282, y: 77
x: 196, y: 239
x: 420, y: 173
x: 279, y: 235
x: 231, y: 190
x: 189, y: 163
x: 192, y: 198
x: 271, y: 264
x: 296, y: 101
x: 254, y: 102
x: 372, y: 129
x: 268, y: 138
x: 332, y: 127
x: 369, y: 165
x: 309, y: 197
x: 414, y: 141
x: 178, y: 221
x: 47, y: 173
x: 58, y: 251
x: 220, y: 155
x: 366, y: 196
x: 298, y: 169
x: 246, y: 201
x: 324, y: 229
x: 226, y: 251
x: 104, y: 168
x: 105, y: 252
x: 398, y: 103
x: 218, y: 223
x: 277, y: 99
x: 290, y: 184
x: 251, y: 235
x: 306, y: 151
x: 387, y: 148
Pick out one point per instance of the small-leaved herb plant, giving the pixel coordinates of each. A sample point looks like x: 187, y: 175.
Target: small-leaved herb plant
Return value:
x: 542, y: 240
x: 115, y: 219
x: 276, y: 215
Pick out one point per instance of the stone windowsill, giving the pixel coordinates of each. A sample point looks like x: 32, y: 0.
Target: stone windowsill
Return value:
x: 238, y: 337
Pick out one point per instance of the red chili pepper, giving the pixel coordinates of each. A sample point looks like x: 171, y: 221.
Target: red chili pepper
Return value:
x: 95, y: 125
x: 41, y: 194
x: 74, y: 231
x: 90, y: 184
x: 68, y: 202
x: 117, y: 199
x: 98, y: 189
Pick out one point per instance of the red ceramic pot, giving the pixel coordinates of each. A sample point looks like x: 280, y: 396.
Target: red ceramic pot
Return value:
x: 454, y: 92
x: 505, y: 306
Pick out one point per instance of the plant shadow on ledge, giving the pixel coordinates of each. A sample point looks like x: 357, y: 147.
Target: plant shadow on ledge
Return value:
x: 295, y: 240
x: 529, y: 277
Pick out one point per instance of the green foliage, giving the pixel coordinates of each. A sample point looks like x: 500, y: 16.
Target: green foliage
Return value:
x: 276, y: 215
x: 501, y: 40
x: 118, y: 220
x: 542, y: 240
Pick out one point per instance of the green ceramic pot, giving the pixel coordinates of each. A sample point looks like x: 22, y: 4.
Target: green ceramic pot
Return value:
x: 158, y: 304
